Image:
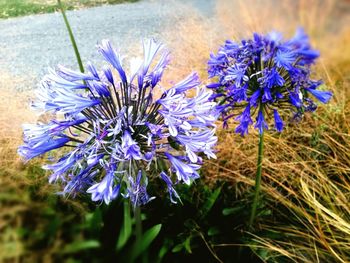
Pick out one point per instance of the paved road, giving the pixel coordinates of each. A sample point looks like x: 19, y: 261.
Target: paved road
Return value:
x: 31, y: 44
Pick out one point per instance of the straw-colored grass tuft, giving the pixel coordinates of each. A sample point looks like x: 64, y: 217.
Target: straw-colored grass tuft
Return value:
x: 306, y: 174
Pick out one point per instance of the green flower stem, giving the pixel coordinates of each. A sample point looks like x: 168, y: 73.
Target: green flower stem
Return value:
x: 71, y: 36
x: 257, y: 179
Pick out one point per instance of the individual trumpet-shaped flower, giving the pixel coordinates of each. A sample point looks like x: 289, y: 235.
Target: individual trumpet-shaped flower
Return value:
x: 137, y: 190
x: 122, y: 131
x: 265, y: 76
x: 32, y: 149
x: 106, y: 190
x: 171, y: 190
x: 184, y: 171
x: 63, y: 165
x: 130, y: 147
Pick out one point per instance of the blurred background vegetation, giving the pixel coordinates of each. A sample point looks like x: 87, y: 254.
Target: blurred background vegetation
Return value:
x: 304, y: 213
x: 13, y: 8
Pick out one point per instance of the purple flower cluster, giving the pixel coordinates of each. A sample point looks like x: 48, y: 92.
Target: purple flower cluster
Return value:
x: 118, y: 130
x: 264, y: 76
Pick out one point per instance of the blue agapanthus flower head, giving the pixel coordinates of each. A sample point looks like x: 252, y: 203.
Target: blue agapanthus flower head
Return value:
x: 116, y: 131
x: 264, y: 77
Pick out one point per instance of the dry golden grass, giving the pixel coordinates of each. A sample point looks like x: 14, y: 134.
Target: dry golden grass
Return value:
x: 306, y: 168
x: 306, y: 176
x: 13, y: 199
x: 305, y: 182
x: 13, y: 114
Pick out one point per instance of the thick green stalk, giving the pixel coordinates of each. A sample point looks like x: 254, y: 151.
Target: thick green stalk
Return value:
x: 257, y: 178
x: 71, y: 36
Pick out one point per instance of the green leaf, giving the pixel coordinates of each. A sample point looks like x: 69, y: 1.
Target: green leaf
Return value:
x: 177, y: 248
x: 145, y: 242
x: 231, y: 210
x: 214, y: 230
x: 163, y: 250
x: 210, y: 202
x: 263, y: 254
x: 126, y: 229
x: 187, y: 245
x: 162, y: 253
x: 80, y: 245
x: 265, y: 212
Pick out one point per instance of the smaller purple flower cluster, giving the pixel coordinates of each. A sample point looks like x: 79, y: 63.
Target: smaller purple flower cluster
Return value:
x: 120, y: 130
x: 264, y: 76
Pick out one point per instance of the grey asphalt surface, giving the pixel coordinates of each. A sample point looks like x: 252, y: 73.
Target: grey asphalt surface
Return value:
x: 31, y: 44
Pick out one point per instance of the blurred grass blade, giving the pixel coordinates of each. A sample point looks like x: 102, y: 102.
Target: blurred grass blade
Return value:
x: 187, y: 245
x: 126, y: 229
x: 177, y: 248
x: 210, y: 202
x: 80, y: 245
x: 232, y: 210
x: 71, y: 36
x: 145, y: 242
x: 213, y: 231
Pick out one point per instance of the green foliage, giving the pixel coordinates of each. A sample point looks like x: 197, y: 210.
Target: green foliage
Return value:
x: 126, y: 229
x: 80, y: 246
x: 208, y: 205
x: 208, y: 226
x: 147, y: 238
x: 13, y: 8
